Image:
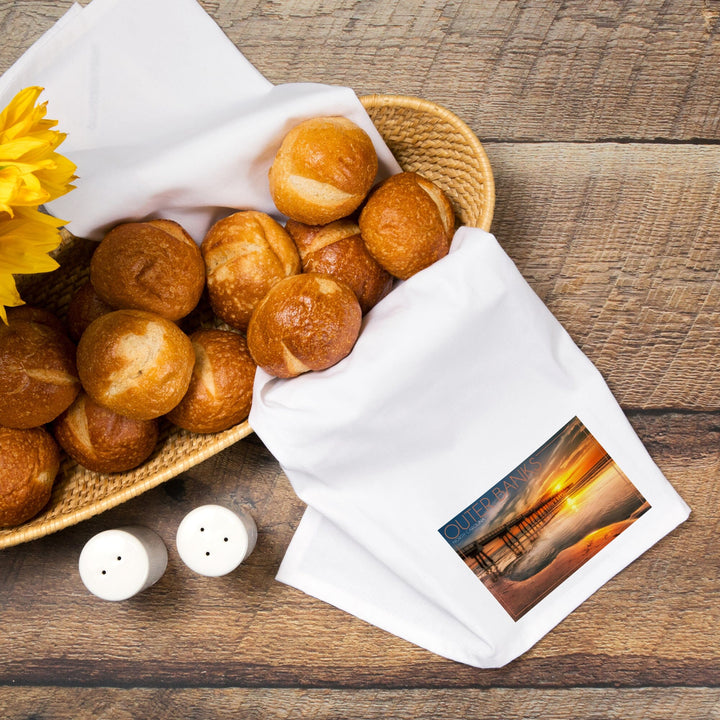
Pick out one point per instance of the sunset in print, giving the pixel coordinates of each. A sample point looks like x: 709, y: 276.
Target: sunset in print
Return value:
x: 545, y: 519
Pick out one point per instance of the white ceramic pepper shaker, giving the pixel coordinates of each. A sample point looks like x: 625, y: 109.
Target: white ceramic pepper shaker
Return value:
x: 213, y: 540
x: 118, y: 564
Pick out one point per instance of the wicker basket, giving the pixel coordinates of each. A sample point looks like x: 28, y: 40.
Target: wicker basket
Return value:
x: 424, y: 138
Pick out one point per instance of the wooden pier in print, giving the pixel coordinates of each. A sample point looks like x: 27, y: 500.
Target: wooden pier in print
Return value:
x: 519, y: 533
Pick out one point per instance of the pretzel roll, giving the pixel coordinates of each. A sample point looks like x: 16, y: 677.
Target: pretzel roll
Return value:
x: 29, y: 462
x: 245, y: 255
x: 85, y: 306
x: 154, y: 266
x: 306, y: 322
x: 323, y: 170
x: 135, y: 363
x: 101, y: 440
x: 221, y: 387
x: 338, y: 249
x: 38, y: 377
x: 407, y: 224
x: 30, y: 313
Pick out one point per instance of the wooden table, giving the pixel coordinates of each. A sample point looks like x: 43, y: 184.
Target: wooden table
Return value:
x: 602, y: 123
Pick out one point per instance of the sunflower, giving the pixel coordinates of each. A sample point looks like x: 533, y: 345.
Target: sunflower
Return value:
x: 31, y: 173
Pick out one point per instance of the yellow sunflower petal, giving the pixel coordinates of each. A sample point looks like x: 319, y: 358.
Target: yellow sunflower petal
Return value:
x: 25, y: 264
x: 31, y: 232
x: 57, y: 180
x: 27, y: 168
x: 23, y: 250
x: 21, y: 114
x: 35, y: 216
x: 10, y: 184
x: 22, y: 188
x: 20, y: 147
x: 9, y: 296
x: 23, y: 102
x: 34, y: 150
x: 30, y: 196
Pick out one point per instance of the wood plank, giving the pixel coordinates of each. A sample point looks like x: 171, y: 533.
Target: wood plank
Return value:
x: 516, y: 70
x: 21, y: 23
x: 326, y: 704
x: 619, y: 239
x: 621, y: 242
x: 650, y: 626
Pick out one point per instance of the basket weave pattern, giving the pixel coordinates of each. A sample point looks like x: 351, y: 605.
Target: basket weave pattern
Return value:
x: 424, y: 137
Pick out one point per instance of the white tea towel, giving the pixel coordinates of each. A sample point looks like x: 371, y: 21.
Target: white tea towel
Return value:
x: 470, y: 477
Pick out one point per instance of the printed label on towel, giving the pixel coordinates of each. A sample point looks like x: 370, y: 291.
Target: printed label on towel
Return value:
x: 545, y: 519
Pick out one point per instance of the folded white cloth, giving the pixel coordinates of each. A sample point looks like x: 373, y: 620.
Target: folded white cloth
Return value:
x: 164, y: 116
x: 470, y: 478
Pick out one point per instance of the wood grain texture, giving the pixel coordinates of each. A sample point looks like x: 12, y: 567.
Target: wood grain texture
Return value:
x: 648, y: 626
x: 514, y: 70
x: 602, y: 122
x: 327, y: 704
x: 518, y: 71
x: 621, y: 241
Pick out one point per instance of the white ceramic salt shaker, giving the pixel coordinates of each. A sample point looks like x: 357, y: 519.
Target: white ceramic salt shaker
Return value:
x: 118, y: 564
x: 213, y: 540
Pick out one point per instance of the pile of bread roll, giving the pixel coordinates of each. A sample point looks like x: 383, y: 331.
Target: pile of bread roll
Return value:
x: 288, y: 299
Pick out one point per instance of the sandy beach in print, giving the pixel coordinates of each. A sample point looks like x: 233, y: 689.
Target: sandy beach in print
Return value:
x: 545, y: 519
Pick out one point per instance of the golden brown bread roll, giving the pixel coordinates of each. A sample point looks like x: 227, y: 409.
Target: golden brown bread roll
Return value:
x: 306, y: 322
x: 245, y: 255
x: 85, y: 306
x: 338, y: 249
x: 135, y: 363
x: 38, y: 377
x: 407, y: 224
x: 220, y: 392
x: 30, y: 313
x: 154, y: 266
x: 101, y: 440
x: 29, y: 462
x: 323, y: 170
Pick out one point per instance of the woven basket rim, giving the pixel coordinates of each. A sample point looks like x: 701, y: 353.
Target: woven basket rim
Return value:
x: 410, y: 102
